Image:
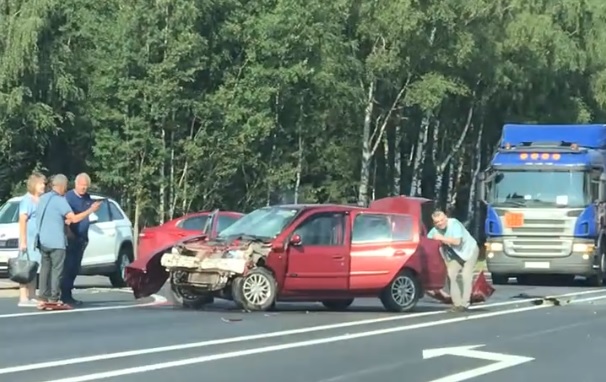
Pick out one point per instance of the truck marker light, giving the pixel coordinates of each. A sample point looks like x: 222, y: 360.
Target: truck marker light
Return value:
x: 556, y: 156
x: 524, y: 156
x: 534, y: 156
x: 544, y: 156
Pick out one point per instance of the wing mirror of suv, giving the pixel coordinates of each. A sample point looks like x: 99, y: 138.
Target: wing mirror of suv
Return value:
x: 93, y: 218
x: 295, y: 240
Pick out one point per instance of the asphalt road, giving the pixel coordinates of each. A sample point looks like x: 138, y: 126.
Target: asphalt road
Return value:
x: 116, y: 339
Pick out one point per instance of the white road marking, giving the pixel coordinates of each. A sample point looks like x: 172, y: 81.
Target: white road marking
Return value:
x: 500, y: 361
x: 157, y: 300
x: 223, y: 341
x: 299, y: 344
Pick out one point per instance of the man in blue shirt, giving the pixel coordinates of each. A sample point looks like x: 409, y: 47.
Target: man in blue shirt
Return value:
x: 77, y: 236
x: 460, y: 251
x: 54, y: 211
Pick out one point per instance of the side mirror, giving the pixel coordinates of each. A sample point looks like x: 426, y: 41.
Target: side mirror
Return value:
x: 295, y: 240
x: 602, y: 188
x: 93, y: 218
x: 481, y: 186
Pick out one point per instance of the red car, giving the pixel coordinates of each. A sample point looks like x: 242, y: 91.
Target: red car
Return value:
x: 209, y: 223
x: 327, y: 253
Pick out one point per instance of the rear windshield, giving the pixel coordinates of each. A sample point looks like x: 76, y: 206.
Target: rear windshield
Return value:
x: 9, y: 212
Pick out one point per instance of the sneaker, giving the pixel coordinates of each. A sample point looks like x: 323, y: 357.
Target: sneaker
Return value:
x: 28, y: 304
x: 457, y: 309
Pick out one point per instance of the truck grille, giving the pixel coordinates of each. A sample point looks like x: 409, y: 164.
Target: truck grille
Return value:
x: 9, y: 244
x: 534, y: 247
x: 545, y: 233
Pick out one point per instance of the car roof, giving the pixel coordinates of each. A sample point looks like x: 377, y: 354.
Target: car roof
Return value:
x: 93, y: 196
x: 200, y: 213
x: 328, y: 206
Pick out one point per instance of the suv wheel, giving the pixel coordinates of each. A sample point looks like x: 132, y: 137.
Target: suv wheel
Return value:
x: 118, y: 279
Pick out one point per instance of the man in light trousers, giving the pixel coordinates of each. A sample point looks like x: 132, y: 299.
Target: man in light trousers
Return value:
x: 460, y: 251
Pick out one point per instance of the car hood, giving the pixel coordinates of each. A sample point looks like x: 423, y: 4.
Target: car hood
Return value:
x: 146, y: 276
x: 9, y: 231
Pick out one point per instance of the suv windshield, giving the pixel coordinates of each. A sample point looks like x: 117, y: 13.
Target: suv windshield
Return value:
x: 535, y: 189
x: 264, y: 223
x: 9, y: 213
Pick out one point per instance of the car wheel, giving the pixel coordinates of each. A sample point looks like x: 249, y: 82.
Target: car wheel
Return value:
x: 498, y: 279
x: 257, y: 290
x: 338, y: 304
x: 403, y: 292
x: 188, y: 299
x: 118, y: 278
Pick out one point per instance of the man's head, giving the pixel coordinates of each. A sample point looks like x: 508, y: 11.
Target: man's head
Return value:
x: 440, y: 220
x: 59, y: 184
x: 82, y: 183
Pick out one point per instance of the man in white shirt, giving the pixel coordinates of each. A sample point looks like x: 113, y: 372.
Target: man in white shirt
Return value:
x: 460, y: 251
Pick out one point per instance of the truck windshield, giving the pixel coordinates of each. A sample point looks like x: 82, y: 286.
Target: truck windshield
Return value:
x: 263, y: 223
x: 536, y: 189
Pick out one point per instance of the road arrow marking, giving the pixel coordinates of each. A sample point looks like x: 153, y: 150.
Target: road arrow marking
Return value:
x: 502, y: 361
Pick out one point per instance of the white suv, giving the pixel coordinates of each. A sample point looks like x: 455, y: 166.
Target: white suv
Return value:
x: 110, y: 240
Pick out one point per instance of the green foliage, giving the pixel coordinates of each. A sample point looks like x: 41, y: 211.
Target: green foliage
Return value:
x: 197, y: 104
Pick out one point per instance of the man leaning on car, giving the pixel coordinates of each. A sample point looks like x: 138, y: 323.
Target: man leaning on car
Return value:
x: 460, y: 251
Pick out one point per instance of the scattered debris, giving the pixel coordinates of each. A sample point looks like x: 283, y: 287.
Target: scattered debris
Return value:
x: 236, y: 319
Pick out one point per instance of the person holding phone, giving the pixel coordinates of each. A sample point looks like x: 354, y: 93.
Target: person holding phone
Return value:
x: 77, y: 236
x: 52, y: 212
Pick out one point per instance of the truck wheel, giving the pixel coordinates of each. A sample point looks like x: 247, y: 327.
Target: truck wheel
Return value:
x: 187, y: 299
x: 118, y: 278
x: 338, y: 304
x: 597, y: 280
x: 403, y: 292
x: 498, y: 279
x: 257, y: 290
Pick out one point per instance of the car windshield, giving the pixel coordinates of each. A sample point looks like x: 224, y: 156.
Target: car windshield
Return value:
x: 536, y: 189
x: 263, y: 223
x: 9, y: 212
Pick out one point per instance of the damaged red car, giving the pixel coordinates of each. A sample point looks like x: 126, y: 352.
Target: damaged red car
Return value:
x: 327, y: 253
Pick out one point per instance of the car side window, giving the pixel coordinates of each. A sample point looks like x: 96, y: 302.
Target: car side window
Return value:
x: 115, y: 213
x: 195, y: 223
x: 402, y: 227
x: 103, y: 213
x: 323, y: 229
x: 225, y: 221
x: 370, y: 228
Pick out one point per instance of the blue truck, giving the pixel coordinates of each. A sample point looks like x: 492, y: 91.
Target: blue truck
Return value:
x: 543, y: 195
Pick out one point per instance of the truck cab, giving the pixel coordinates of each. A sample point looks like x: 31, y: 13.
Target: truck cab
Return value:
x: 543, y: 194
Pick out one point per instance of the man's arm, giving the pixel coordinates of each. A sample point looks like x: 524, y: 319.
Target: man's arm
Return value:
x: 68, y: 213
x: 431, y: 233
x: 455, y: 232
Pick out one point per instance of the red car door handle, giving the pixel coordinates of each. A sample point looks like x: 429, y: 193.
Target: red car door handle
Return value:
x: 399, y: 253
x: 337, y: 257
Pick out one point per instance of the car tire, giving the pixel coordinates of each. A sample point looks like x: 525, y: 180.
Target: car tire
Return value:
x: 257, y: 291
x: 188, y: 301
x: 338, y: 305
x: 498, y: 279
x: 117, y: 278
x: 236, y: 292
x: 403, y: 292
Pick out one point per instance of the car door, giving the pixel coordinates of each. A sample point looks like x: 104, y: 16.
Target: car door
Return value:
x: 321, y: 261
x: 101, y: 239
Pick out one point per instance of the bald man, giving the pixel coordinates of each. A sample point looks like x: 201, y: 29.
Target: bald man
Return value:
x: 79, y: 201
x: 53, y: 211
